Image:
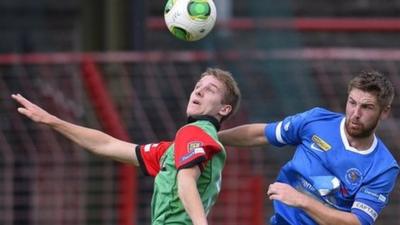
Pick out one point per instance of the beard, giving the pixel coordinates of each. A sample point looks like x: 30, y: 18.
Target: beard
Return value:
x: 362, y: 131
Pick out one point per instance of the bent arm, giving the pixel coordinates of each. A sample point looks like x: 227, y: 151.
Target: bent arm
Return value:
x: 249, y: 135
x: 189, y: 194
x: 321, y: 213
x: 325, y: 215
x: 93, y: 140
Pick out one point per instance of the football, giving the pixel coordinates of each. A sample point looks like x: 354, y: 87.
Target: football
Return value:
x: 190, y: 20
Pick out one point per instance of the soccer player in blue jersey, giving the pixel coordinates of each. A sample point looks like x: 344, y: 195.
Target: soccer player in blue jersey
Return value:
x: 341, y: 172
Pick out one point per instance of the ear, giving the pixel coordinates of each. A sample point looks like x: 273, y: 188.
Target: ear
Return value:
x: 225, y: 110
x: 385, y: 112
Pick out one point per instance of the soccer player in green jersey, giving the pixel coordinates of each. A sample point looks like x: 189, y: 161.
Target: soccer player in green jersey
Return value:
x: 188, y: 169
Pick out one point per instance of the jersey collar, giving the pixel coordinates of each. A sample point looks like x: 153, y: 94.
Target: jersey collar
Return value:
x: 210, y: 119
x: 352, y: 149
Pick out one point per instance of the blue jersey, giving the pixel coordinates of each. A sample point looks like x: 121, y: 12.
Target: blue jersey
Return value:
x: 327, y: 168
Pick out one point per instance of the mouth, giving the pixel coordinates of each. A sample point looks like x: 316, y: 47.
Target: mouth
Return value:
x: 196, y: 102
x: 355, y: 124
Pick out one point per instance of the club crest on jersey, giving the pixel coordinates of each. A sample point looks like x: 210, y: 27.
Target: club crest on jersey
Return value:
x: 192, y: 149
x: 320, y: 143
x: 193, y: 145
x: 353, y: 176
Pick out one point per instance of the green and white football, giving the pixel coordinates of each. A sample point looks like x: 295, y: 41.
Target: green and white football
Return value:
x: 190, y: 20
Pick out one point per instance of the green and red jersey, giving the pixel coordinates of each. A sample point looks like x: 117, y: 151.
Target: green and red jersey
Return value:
x: 195, y: 144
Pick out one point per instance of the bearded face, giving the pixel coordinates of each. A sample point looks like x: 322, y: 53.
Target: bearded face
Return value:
x: 362, y: 114
x: 356, y: 128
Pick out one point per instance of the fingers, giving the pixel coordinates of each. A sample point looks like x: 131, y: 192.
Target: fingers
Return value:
x: 274, y: 190
x: 273, y: 187
x: 26, y: 110
x: 285, y: 193
x: 23, y: 101
x: 271, y: 190
x: 272, y: 193
x: 23, y: 111
x: 15, y: 96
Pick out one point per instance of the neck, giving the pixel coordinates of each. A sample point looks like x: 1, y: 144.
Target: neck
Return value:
x: 360, y: 143
x: 211, y: 119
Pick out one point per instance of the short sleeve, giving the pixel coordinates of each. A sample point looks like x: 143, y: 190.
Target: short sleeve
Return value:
x: 194, y: 146
x: 289, y: 131
x: 286, y: 131
x: 149, y: 157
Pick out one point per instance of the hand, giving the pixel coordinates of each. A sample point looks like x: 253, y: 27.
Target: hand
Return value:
x: 31, y: 110
x: 286, y: 194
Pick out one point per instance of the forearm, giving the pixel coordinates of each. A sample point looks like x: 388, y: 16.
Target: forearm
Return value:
x: 95, y: 141
x: 190, y: 198
x: 85, y: 137
x: 321, y: 213
x: 249, y: 135
x: 325, y: 215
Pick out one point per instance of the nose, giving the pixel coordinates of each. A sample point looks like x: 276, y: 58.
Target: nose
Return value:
x: 199, y: 91
x: 357, y: 112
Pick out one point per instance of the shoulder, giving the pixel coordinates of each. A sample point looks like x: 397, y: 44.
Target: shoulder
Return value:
x: 318, y: 114
x: 195, y: 145
x: 200, y: 133
x: 312, y: 115
x: 383, y: 167
x: 385, y: 157
x: 191, y: 130
x: 321, y: 112
x: 198, y: 128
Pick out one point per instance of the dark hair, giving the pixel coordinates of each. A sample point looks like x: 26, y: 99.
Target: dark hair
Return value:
x: 374, y: 82
x: 232, y: 92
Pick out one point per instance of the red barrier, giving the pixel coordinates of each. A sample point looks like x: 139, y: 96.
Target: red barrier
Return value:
x: 257, y: 188
x: 111, y: 123
x: 301, y: 24
x: 323, y: 53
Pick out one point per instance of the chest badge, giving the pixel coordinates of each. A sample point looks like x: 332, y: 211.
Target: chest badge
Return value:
x: 320, y: 143
x: 353, y: 176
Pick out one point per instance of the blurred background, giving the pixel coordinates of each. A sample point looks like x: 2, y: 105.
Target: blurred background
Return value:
x: 112, y: 65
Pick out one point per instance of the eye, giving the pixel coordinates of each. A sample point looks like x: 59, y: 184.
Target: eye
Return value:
x: 211, y: 89
x: 369, y: 107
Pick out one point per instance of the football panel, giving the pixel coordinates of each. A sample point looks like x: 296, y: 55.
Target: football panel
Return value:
x: 168, y: 6
x: 181, y: 33
x: 199, y: 9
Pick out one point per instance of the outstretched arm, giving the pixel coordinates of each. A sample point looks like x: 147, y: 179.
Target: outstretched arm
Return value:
x: 189, y: 194
x: 322, y: 214
x: 249, y: 135
x: 93, y: 140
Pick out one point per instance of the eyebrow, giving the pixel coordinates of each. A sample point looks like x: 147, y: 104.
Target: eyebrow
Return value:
x: 362, y: 103
x: 211, y: 84
x: 214, y: 85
